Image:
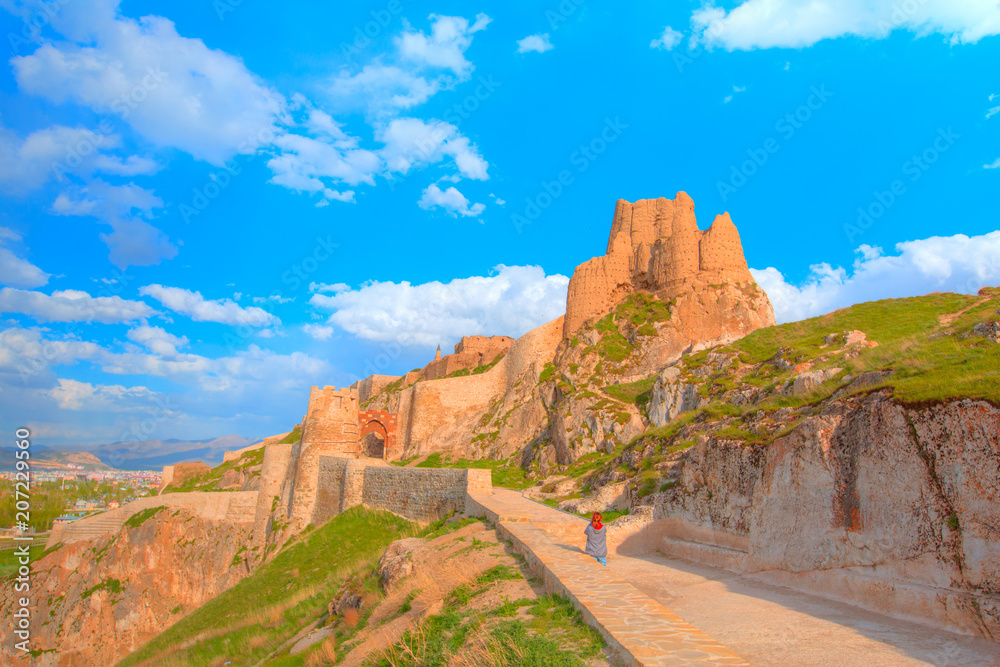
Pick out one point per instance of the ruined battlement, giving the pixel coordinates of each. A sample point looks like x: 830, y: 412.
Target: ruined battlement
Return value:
x: 655, y: 245
x: 470, y: 352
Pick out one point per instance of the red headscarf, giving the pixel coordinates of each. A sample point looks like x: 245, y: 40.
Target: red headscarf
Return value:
x: 595, y: 521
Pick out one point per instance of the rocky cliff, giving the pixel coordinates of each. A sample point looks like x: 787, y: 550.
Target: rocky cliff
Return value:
x: 96, y: 601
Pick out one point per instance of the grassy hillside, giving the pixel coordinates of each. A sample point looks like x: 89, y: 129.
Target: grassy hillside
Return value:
x: 249, y: 621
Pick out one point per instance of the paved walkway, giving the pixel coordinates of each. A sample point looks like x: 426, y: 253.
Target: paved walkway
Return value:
x: 660, y: 611
x: 642, y: 630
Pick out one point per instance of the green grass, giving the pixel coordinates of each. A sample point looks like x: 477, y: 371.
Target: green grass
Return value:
x: 112, y: 586
x: 503, y: 473
x: 142, y: 516
x: 928, y: 366
x: 292, y: 437
x: 274, y: 602
x: 637, y: 393
x: 8, y: 558
x: 547, y: 372
x: 208, y: 480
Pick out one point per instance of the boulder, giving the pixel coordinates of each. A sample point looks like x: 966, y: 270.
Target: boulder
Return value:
x: 805, y: 383
x: 397, y: 562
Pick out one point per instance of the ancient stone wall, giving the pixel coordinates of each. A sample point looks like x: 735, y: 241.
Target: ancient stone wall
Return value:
x: 231, y: 507
x: 372, y: 385
x: 274, y: 468
x: 419, y: 494
x: 330, y: 429
x: 655, y: 245
x: 434, y: 416
x: 470, y: 352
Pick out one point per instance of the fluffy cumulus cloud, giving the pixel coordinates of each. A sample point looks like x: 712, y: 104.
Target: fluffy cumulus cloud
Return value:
x: 667, y: 40
x: 157, y: 340
x: 14, y: 270
x: 451, y: 200
x: 318, y: 163
x: 535, y: 43
x: 72, y: 306
x: 420, y: 65
x: 318, y: 331
x: 173, y: 90
x: 57, y: 151
x: 941, y: 263
x: 757, y: 24
x: 513, y: 301
x: 200, y: 309
x: 412, y: 142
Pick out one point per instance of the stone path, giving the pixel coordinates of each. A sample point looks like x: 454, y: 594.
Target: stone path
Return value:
x: 657, y: 610
x: 643, y: 631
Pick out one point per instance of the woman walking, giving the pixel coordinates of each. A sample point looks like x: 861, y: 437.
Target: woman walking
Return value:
x: 597, y: 543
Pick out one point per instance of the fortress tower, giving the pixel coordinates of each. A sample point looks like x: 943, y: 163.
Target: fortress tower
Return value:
x: 655, y: 245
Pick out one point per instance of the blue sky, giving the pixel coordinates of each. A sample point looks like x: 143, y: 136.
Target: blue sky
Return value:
x: 207, y: 209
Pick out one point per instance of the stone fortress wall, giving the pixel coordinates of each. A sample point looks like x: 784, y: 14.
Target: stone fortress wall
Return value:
x: 470, y: 352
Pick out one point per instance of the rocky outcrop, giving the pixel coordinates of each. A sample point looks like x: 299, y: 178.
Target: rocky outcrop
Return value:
x: 891, y: 507
x: 655, y: 246
x: 671, y: 396
x: 94, y: 602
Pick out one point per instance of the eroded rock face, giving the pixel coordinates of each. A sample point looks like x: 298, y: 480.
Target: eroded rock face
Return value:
x: 397, y: 562
x: 96, y: 601
x: 671, y: 396
x: 870, y: 487
x: 655, y: 245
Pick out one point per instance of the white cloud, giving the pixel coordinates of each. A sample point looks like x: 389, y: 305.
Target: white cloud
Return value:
x: 537, y: 43
x: 412, y: 142
x: 83, y: 396
x: 322, y: 287
x: 513, y: 301
x: 200, y: 309
x: 419, y: 67
x: 72, y: 306
x: 157, y: 340
x: 382, y: 89
x: 451, y: 200
x: 667, y: 40
x: 173, y: 90
x: 17, y: 271
x: 940, y: 263
x: 800, y: 23
x: 274, y: 298
x: 445, y: 47
x: 305, y: 162
x: 499, y: 202
x: 995, y: 165
x: 56, y: 151
x: 132, y: 241
x: 318, y: 331
x: 992, y: 112
x: 736, y: 90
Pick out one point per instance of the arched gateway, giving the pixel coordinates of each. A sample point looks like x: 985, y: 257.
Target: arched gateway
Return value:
x: 377, y: 433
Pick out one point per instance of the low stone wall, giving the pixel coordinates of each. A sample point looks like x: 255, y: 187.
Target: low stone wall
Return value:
x: 419, y: 494
x: 235, y: 508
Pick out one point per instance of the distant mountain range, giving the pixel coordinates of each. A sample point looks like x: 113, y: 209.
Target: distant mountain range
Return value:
x: 44, y: 458
x: 133, y: 455
x: 154, y: 454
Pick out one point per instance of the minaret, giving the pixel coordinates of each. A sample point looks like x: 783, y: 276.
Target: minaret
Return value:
x: 437, y: 355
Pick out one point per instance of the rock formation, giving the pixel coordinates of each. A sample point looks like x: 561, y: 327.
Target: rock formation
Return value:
x: 655, y: 246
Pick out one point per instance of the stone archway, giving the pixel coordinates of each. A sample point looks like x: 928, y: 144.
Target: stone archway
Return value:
x: 373, y: 440
x: 377, y: 434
